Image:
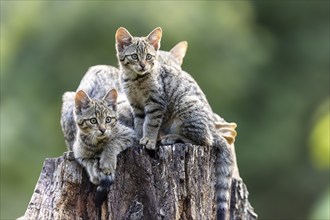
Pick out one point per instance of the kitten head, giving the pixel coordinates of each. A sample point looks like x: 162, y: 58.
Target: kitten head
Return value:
x: 175, y: 56
x: 96, y: 117
x: 137, y: 54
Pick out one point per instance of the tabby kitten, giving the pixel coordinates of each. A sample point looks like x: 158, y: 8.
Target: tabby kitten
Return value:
x: 100, y: 79
x: 100, y: 137
x: 167, y: 102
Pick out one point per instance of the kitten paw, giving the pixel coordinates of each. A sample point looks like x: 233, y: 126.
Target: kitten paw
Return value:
x: 108, y: 167
x: 95, y: 180
x: 94, y: 173
x: 148, y: 143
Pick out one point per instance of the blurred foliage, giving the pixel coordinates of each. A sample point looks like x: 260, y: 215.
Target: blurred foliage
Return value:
x: 321, y: 207
x: 319, y: 139
x: 262, y: 64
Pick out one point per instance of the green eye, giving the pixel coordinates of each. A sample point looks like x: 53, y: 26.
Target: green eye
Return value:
x: 93, y: 120
x: 149, y: 56
x: 134, y: 56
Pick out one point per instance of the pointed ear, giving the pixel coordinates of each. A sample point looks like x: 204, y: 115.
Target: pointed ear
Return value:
x: 123, y: 38
x: 81, y: 100
x: 154, y: 38
x: 179, y: 51
x: 111, y: 98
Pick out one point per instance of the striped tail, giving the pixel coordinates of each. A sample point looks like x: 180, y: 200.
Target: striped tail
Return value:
x: 103, y: 189
x: 223, y: 173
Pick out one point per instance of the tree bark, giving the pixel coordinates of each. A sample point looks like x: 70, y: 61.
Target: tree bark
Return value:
x: 174, y: 182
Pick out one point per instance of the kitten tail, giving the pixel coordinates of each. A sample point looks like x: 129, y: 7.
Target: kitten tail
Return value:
x: 103, y: 189
x: 223, y: 174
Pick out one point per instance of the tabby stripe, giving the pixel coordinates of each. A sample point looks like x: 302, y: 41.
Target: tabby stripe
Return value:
x: 124, y: 58
x: 162, y: 77
x: 135, y: 106
x: 153, y: 125
x: 194, y: 120
x: 157, y: 116
x: 98, y: 71
x: 152, y: 99
x: 186, y: 108
x: 179, y: 97
x: 173, y: 92
x: 153, y: 111
x: 139, y: 115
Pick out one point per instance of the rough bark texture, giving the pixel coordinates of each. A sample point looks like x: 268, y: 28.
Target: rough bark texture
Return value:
x: 175, y: 182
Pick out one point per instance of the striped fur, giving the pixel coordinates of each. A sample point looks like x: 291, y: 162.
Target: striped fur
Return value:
x: 100, y: 137
x: 96, y: 82
x: 100, y: 79
x: 168, y: 104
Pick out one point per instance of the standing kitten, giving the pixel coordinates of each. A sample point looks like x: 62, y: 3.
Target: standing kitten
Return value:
x: 100, y: 137
x: 100, y: 79
x: 167, y: 101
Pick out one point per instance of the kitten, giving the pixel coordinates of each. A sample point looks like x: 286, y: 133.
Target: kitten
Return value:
x: 100, y: 79
x: 167, y: 102
x: 100, y: 137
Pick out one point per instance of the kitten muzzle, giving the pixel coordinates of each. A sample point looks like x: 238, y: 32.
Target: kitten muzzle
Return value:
x: 102, y: 130
x: 142, y: 65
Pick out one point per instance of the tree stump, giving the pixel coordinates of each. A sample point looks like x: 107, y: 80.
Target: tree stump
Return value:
x: 174, y: 182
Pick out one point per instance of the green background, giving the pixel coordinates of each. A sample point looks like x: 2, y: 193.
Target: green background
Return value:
x: 262, y: 64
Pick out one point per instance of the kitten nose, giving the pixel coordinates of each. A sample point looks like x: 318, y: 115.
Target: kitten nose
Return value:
x: 102, y: 130
x: 142, y: 65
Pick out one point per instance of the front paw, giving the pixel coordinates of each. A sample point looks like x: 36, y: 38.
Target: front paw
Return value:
x: 94, y: 173
x: 108, y: 167
x: 148, y: 143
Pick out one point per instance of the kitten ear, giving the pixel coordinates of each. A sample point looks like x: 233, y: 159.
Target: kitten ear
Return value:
x: 179, y: 51
x: 111, y: 98
x: 123, y: 38
x: 154, y: 38
x: 81, y: 100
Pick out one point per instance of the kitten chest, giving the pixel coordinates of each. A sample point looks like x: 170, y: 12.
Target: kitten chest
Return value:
x: 139, y: 91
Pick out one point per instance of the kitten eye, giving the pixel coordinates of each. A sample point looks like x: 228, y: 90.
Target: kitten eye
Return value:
x: 134, y: 56
x: 108, y: 119
x: 149, y: 56
x: 93, y: 120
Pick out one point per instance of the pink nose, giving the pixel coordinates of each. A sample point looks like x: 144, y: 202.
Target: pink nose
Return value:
x: 142, y: 65
x: 102, y: 130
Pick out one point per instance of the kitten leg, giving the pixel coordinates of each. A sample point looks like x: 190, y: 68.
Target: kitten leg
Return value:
x: 91, y: 166
x: 108, y: 163
x: 151, y: 125
x: 108, y: 158
x: 138, y: 122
